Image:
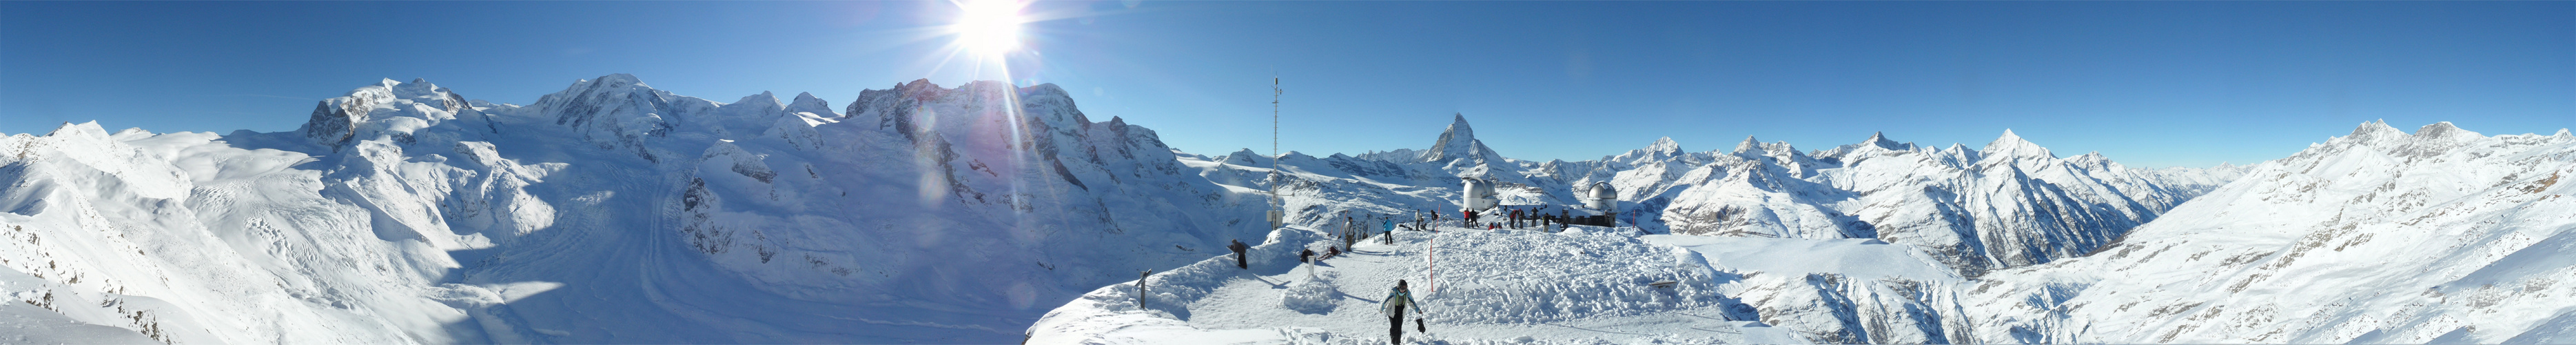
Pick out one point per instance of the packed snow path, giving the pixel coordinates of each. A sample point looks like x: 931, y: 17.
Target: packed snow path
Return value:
x: 1598, y: 287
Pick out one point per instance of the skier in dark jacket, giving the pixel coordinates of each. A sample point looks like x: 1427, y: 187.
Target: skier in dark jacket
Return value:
x: 1238, y: 248
x: 1394, y: 309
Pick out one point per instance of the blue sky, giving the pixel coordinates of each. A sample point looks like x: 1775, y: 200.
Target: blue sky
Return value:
x: 2147, y: 83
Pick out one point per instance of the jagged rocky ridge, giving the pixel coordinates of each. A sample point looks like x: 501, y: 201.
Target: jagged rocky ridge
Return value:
x: 607, y: 212
x: 2010, y: 204
x: 2442, y: 236
x: 2380, y: 236
x: 933, y: 214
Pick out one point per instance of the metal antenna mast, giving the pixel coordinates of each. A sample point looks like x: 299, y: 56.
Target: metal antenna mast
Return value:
x: 1277, y: 218
x: 1274, y: 122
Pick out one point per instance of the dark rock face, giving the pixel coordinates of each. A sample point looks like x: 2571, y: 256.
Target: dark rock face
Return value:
x: 332, y: 125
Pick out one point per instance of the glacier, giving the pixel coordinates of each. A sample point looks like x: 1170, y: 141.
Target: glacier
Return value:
x: 614, y: 212
x: 609, y: 212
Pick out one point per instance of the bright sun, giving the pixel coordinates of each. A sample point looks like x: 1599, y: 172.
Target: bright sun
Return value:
x: 988, y: 27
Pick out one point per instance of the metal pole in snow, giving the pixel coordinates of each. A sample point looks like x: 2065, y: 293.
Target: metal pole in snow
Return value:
x: 1431, y: 284
x: 1140, y: 288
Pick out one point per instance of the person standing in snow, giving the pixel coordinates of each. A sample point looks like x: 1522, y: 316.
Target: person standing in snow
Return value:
x: 1389, y: 224
x: 1394, y: 309
x: 1238, y: 248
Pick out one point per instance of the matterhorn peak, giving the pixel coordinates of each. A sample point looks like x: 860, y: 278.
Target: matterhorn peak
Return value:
x: 2012, y: 145
x: 1459, y: 141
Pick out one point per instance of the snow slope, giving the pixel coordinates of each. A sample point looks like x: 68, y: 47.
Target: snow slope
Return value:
x: 612, y: 212
x: 609, y: 212
x: 1474, y: 287
x: 2380, y: 236
x: 2443, y: 235
x: 2010, y: 204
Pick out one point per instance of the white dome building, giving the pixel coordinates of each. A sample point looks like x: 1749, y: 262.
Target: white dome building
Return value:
x: 1603, y: 197
x: 1478, y: 194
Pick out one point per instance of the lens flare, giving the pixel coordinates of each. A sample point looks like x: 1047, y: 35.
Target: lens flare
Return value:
x: 988, y: 27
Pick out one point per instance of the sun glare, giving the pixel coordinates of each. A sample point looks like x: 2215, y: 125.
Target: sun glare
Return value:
x: 988, y: 27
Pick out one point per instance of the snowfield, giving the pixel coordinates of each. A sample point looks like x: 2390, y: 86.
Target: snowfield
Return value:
x: 1475, y: 286
x: 609, y: 212
x: 613, y: 212
x: 2443, y: 235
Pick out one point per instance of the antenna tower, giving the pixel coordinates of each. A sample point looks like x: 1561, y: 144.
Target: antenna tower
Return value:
x: 1277, y: 218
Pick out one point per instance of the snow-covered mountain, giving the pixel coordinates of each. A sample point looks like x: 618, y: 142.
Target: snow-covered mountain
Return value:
x: 608, y: 212
x: 611, y: 211
x: 1939, y: 217
x: 2380, y: 236
x: 2010, y: 204
x: 2443, y: 235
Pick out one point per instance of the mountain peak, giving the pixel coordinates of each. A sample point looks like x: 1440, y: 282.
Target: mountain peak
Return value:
x: 1879, y: 139
x: 764, y: 100
x: 806, y: 103
x: 1665, y: 144
x: 618, y: 79
x: 1458, y: 141
x: 1247, y: 158
x: 2562, y: 132
x: 2375, y: 129
x: 2442, y: 130
x: 1749, y: 145
x: 2012, y: 145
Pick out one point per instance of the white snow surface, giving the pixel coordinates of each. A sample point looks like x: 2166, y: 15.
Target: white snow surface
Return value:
x: 1473, y: 286
x: 612, y: 212
x: 2441, y: 236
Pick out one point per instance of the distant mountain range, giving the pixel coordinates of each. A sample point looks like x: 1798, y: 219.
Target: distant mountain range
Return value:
x: 613, y: 212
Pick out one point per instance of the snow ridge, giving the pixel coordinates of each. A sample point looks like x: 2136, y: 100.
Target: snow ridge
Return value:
x: 2443, y: 235
x: 424, y: 218
x: 403, y: 213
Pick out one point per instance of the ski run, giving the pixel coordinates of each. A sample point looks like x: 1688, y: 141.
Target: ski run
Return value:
x: 613, y: 212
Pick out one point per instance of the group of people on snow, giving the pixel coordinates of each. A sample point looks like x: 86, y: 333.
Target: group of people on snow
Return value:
x: 1519, y: 218
x: 1399, y: 299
